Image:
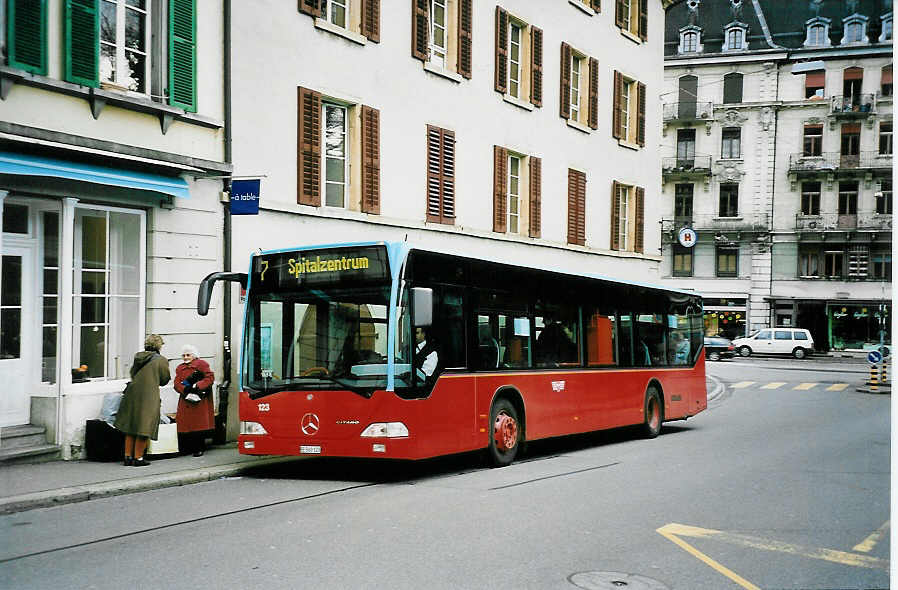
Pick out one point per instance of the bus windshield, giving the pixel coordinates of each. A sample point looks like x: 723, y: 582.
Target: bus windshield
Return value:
x: 323, y: 338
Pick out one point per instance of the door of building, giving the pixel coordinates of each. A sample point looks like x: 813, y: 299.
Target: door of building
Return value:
x: 17, y: 333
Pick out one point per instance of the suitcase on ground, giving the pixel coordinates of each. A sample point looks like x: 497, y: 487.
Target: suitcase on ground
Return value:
x: 103, y: 442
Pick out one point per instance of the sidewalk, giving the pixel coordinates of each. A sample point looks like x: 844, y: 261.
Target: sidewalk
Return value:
x: 39, y: 485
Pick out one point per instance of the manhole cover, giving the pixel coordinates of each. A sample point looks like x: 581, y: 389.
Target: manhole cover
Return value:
x: 614, y: 581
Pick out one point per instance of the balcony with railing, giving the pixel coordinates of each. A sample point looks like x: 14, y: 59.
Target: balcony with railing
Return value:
x: 696, y: 165
x: 866, y: 220
x: 833, y: 161
x: 687, y: 111
x: 754, y: 222
x: 852, y: 106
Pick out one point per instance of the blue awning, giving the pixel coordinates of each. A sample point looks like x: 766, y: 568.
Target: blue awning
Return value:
x: 11, y: 163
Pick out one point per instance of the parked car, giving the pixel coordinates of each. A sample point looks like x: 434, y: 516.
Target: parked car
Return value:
x: 795, y: 341
x: 718, y: 347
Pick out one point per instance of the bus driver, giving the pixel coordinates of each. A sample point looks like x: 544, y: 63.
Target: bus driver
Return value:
x: 426, y: 357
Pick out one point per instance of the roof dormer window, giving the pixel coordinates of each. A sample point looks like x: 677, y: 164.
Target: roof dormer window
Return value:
x: 735, y: 37
x: 886, y: 34
x: 690, y: 39
x: 855, y: 29
x: 817, y: 32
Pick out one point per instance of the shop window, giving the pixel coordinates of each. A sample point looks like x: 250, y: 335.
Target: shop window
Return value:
x: 50, y: 296
x: 682, y: 261
x: 727, y: 261
x: 810, y: 198
x: 11, y: 307
x: 107, y: 291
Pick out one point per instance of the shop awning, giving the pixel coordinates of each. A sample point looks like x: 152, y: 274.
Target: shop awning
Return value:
x: 11, y: 163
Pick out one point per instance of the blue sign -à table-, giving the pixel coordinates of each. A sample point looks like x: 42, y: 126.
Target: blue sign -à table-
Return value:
x: 245, y: 196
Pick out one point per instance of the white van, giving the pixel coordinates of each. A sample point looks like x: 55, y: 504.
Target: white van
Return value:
x: 795, y: 341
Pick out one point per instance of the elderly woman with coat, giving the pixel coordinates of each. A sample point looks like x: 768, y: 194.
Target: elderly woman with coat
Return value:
x: 193, y: 381
x: 138, y: 414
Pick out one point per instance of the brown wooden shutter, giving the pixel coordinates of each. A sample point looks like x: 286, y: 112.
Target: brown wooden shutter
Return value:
x: 853, y: 74
x: 536, y: 66
x: 420, y: 27
x: 312, y: 7
x: 596, y: 5
x: 370, y: 160
x: 536, y: 189
x: 465, y: 38
x: 308, y: 169
x: 615, y: 215
x: 501, y: 50
x: 639, y: 245
x: 371, y: 20
x: 500, y: 188
x: 616, y: 121
x: 640, y: 119
x: 440, y: 175
x: 886, y: 75
x: 593, y: 93
x: 643, y: 19
x: 565, y: 88
x: 576, y: 207
x: 814, y: 79
x: 620, y: 10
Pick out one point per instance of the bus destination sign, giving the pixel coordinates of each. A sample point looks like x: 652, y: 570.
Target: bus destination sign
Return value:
x: 332, y: 266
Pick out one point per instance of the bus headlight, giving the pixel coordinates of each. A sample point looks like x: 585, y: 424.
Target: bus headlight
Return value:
x: 252, y: 428
x: 385, y: 430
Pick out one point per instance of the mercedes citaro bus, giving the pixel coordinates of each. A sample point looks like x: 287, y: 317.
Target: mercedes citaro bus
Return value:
x: 331, y: 361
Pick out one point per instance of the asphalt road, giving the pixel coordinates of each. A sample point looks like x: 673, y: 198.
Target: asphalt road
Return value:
x: 782, y: 486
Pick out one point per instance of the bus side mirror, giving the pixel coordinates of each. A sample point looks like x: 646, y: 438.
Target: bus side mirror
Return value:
x: 422, y: 307
x: 204, y: 295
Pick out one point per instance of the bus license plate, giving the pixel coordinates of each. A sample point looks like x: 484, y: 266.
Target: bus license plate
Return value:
x: 310, y: 449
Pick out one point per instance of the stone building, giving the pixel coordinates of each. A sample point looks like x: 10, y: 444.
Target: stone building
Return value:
x: 777, y: 164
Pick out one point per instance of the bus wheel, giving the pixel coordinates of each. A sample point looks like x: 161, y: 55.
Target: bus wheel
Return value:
x: 505, y: 433
x: 652, y: 425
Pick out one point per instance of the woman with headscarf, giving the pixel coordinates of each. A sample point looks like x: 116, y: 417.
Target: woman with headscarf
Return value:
x: 193, y: 381
x: 138, y: 414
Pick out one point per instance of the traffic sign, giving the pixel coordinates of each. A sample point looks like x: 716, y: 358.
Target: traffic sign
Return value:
x: 874, y: 357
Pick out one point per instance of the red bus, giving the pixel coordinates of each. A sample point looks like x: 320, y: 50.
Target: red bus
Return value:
x: 385, y: 350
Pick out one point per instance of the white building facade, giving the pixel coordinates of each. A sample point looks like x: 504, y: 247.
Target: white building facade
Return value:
x: 110, y: 185
x: 778, y: 156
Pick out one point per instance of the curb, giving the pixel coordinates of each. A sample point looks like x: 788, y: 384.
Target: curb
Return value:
x: 69, y: 495
x: 718, y: 387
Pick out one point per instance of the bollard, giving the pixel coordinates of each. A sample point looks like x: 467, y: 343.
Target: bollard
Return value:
x: 873, y: 378
x: 883, y: 378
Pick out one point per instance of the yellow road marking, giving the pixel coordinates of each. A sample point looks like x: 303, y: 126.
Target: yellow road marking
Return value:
x: 742, y: 384
x: 837, y: 387
x: 774, y: 385
x: 805, y: 386
x: 832, y: 555
x: 870, y: 542
x: 668, y: 532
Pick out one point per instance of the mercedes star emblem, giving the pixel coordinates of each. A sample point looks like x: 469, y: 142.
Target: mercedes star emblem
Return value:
x: 309, y: 424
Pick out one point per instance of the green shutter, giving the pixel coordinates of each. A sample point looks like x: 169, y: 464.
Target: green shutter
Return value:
x: 182, y: 54
x: 27, y: 35
x: 82, y: 42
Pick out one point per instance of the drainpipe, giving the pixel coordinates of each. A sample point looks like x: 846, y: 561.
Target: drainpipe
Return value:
x: 224, y: 388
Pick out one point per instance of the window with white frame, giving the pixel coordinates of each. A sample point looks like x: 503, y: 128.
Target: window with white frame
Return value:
x: 817, y: 32
x: 124, y: 43
x: 731, y: 143
x: 439, y: 39
x: 885, y: 138
x: 513, y: 207
x: 689, y: 43
x: 623, y: 212
x: 886, y: 34
x: 337, y: 13
x: 107, y: 292
x: 735, y: 37
x: 855, y: 29
x: 335, y: 154
x: 576, y: 85
x: 514, y: 58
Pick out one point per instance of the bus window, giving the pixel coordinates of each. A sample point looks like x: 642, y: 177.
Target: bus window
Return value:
x: 625, y: 333
x: 685, y: 332
x: 651, y: 349
x: 503, y: 332
x: 557, y: 336
x: 448, y: 326
x: 601, y: 336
